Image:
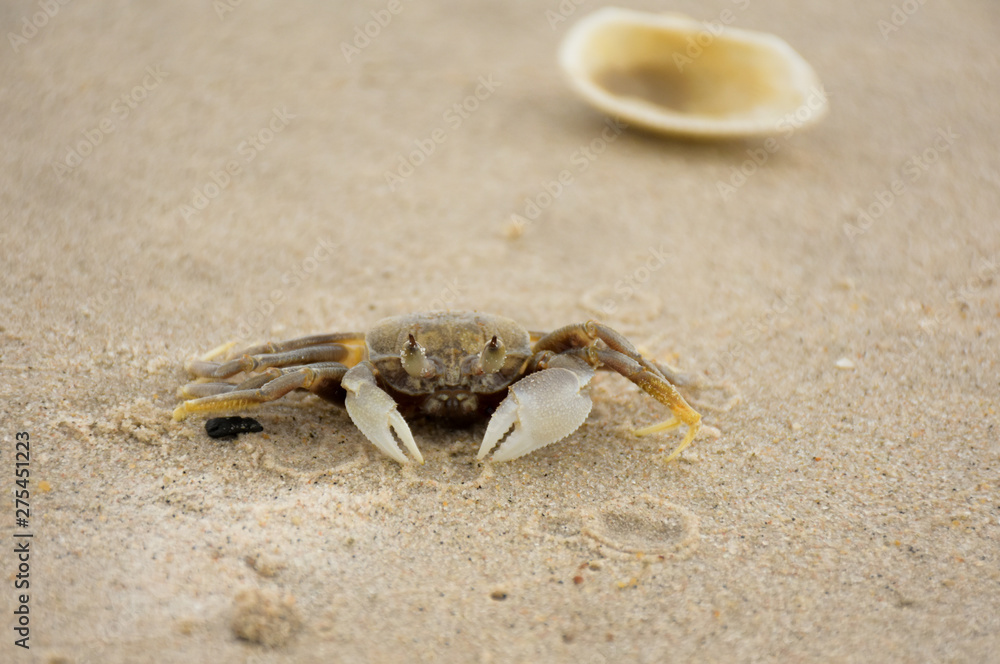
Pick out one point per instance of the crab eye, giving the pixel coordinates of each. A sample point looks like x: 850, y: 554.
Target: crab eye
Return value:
x: 414, y: 359
x: 493, y: 355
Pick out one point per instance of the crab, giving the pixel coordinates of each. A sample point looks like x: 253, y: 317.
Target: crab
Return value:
x: 458, y: 366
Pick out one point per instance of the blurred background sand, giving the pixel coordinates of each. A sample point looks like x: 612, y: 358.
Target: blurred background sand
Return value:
x: 847, y: 508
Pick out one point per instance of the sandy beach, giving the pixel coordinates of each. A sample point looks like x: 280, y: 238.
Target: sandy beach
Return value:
x: 175, y: 176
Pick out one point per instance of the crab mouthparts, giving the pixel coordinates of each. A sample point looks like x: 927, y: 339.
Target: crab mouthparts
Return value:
x: 452, y: 404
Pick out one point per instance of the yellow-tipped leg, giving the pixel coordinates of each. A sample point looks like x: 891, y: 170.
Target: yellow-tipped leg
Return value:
x: 260, y: 389
x: 692, y: 432
x: 221, y: 350
x: 653, y: 383
x: 672, y: 423
x: 667, y: 394
x: 621, y: 356
x: 215, y: 404
x: 272, y: 370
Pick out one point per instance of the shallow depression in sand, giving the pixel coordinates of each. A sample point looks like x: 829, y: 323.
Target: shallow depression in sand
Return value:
x: 645, y: 526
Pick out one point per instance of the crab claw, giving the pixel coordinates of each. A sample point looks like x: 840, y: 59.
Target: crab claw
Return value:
x: 373, y: 412
x: 543, y: 408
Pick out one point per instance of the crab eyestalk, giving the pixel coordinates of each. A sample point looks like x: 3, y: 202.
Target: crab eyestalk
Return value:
x: 493, y: 355
x: 414, y: 359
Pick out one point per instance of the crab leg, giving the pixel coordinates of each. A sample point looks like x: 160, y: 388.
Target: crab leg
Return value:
x: 543, y: 408
x: 254, y: 362
x: 319, y: 378
x: 199, y: 390
x: 581, y: 335
x: 654, y: 384
x: 621, y: 356
x: 344, y: 338
x: 373, y: 411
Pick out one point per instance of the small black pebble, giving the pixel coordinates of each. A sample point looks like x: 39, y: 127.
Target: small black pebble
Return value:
x: 230, y: 427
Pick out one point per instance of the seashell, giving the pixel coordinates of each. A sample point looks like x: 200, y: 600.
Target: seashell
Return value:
x: 672, y: 74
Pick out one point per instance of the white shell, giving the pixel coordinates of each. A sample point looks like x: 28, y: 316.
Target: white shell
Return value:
x: 672, y: 74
